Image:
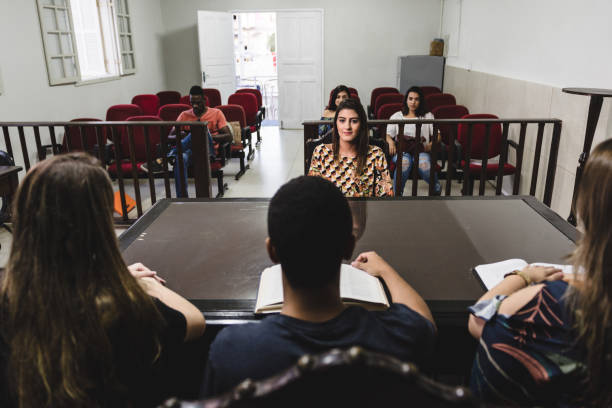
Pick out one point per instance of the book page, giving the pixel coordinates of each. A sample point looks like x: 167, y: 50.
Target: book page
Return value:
x: 493, y: 273
x: 270, y: 289
x: 564, y: 268
x: 356, y: 284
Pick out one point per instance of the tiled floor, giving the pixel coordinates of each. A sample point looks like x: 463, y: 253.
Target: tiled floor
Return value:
x: 278, y: 159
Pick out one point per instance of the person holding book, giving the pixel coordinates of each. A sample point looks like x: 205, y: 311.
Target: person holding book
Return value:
x: 544, y: 341
x: 79, y: 328
x: 313, y: 318
x: 355, y: 167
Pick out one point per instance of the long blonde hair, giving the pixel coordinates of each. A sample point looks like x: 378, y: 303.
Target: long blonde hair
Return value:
x: 592, y: 300
x: 72, y: 314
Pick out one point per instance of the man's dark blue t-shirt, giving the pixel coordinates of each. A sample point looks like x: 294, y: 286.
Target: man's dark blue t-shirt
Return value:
x: 260, y: 350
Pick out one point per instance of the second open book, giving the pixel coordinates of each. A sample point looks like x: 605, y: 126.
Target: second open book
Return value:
x: 356, y: 287
x: 492, y: 274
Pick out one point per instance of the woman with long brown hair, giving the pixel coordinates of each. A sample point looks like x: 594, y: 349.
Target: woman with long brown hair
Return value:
x: 550, y: 343
x: 79, y: 328
x: 355, y: 167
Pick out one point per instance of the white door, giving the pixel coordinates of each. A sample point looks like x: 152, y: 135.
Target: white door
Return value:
x: 300, y: 66
x: 217, y: 52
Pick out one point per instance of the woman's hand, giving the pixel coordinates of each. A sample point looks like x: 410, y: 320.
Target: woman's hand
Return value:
x: 391, y: 144
x: 139, y: 271
x: 538, y: 274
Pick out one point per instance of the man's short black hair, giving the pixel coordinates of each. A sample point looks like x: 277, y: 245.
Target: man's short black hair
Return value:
x: 196, y: 90
x: 310, y: 226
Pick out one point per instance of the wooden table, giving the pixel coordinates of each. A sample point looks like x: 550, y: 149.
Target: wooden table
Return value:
x: 212, y: 251
x: 597, y: 96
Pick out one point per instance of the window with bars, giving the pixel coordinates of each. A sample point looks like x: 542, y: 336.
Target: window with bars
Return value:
x: 86, y: 40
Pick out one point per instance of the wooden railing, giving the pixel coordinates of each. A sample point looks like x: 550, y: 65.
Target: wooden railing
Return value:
x: 311, y: 134
x: 108, y: 141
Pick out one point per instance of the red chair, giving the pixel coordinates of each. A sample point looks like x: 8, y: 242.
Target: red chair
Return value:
x: 169, y: 113
x: 428, y: 90
x: 385, y: 112
x: 185, y: 100
x: 478, y: 148
x: 86, y: 141
x: 119, y: 113
x: 260, y: 107
x: 214, y: 97
x: 387, y: 98
x: 168, y: 97
x: 440, y: 99
x: 356, y: 97
x: 235, y: 113
x: 148, y: 103
x: 352, y: 91
x: 140, y: 150
x: 374, y: 95
x: 249, y: 104
x: 448, y: 112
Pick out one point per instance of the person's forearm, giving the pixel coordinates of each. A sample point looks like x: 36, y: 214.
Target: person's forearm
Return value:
x: 193, y: 316
x: 402, y: 292
x: 508, y: 286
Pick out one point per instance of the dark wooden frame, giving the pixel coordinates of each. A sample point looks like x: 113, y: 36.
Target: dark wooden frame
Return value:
x: 201, y: 161
x: 311, y: 133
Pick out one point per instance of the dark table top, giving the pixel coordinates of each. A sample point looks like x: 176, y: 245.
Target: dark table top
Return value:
x: 212, y: 251
x: 588, y: 91
x: 8, y: 170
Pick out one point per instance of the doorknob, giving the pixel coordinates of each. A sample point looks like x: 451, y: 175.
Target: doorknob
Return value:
x: 203, y: 77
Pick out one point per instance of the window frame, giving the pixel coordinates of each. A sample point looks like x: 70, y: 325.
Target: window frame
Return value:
x: 120, y: 12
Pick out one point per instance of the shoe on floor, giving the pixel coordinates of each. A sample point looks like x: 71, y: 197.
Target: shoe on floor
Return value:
x: 156, y: 167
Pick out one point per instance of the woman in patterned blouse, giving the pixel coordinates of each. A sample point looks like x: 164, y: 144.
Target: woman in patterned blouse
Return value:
x: 544, y: 341
x: 355, y: 167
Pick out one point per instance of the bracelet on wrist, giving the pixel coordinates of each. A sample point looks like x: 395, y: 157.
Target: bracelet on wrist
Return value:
x: 522, y: 274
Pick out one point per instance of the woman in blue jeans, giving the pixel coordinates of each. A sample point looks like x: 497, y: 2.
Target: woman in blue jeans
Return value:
x: 413, y: 108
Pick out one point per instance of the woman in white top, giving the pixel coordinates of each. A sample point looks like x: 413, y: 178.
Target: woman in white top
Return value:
x: 413, y: 108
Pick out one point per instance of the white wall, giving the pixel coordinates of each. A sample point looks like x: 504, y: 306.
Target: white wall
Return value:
x: 27, y: 95
x: 561, y: 43
x: 514, y: 56
x: 362, y: 38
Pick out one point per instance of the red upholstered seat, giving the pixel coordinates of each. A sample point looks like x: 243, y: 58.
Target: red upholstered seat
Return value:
x: 214, y: 97
x: 356, y: 97
x: 249, y: 104
x: 353, y: 91
x: 385, y: 112
x: 448, y: 112
x: 149, y: 103
x: 122, y: 112
x: 428, y: 90
x: 235, y: 113
x: 73, y: 139
x: 170, y: 113
x: 168, y: 97
x: 375, y: 93
x: 432, y: 101
x: 138, y: 135
x: 387, y: 98
x: 254, y: 92
x: 185, y: 100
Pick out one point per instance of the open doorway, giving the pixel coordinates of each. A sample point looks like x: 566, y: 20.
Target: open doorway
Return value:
x: 255, y: 58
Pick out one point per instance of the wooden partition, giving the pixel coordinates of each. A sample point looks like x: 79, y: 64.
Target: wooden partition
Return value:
x: 463, y: 170
x: 117, y: 145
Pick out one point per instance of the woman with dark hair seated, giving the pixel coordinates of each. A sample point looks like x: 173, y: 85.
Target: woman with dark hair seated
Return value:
x: 339, y: 94
x: 545, y: 341
x: 413, y: 108
x: 79, y: 328
x: 355, y: 167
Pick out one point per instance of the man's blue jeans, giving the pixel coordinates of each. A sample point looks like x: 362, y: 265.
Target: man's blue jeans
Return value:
x: 424, y: 170
x: 187, y: 153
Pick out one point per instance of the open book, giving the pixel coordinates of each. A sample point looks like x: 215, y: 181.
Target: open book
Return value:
x: 493, y: 273
x: 356, y: 287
